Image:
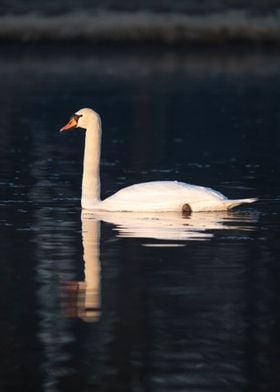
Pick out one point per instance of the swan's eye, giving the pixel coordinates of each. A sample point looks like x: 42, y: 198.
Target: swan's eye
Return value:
x: 76, y: 116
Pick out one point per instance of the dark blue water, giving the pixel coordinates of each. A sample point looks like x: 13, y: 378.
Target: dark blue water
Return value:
x: 153, y: 303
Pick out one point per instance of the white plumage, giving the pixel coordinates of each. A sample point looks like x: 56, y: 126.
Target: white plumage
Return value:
x: 157, y: 196
x: 167, y: 196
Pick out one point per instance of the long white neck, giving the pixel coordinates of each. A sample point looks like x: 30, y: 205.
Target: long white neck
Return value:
x: 91, y: 176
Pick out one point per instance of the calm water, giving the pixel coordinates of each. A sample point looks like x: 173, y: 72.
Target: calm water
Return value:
x: 139, y: 303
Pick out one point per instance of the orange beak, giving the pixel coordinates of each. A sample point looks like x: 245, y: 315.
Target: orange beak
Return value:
x: 71, y: 124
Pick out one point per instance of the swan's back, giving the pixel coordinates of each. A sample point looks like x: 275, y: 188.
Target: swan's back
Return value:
x: 162, y: 196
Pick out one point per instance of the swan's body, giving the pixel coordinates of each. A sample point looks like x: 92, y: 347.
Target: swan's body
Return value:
x: 167, y: 196
x: 149, y: 196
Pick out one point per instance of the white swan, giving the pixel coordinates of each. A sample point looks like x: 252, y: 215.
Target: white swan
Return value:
x: 153, y: 196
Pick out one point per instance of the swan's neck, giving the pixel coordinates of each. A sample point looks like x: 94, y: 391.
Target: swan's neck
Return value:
x: 91, y: 177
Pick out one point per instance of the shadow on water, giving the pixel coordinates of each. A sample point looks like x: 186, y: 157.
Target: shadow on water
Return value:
x: 129, y: 302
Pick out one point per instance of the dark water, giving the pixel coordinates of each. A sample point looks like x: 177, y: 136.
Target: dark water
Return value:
x: 149, y: 303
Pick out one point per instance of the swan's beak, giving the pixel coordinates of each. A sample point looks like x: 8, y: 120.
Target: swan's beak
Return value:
x: 71, y: 124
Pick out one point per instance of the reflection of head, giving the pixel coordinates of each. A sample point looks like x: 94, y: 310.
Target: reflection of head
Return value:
x: 80, y: 301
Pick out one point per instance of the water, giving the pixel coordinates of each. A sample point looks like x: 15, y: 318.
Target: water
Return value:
x: 141, y: 303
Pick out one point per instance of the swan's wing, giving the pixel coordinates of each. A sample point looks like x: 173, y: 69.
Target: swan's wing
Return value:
x: 161, y: 196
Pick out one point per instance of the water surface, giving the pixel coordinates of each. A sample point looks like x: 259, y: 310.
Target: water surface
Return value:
x: 139, y: 302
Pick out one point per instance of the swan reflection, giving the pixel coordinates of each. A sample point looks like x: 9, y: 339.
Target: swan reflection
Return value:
x: 82, y: 298
x: 173, y: 226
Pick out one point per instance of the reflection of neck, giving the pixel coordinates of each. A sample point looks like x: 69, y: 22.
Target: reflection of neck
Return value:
x: 91, y: 239
x: 91, y: 180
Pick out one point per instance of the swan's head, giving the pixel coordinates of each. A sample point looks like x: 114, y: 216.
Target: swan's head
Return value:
x: 83, y: 118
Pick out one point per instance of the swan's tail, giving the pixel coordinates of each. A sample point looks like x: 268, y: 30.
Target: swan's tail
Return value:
x: 216, y: 205
x: 229, y: 204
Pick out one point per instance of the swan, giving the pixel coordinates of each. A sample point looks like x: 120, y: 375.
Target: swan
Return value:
x: 155, y: 196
